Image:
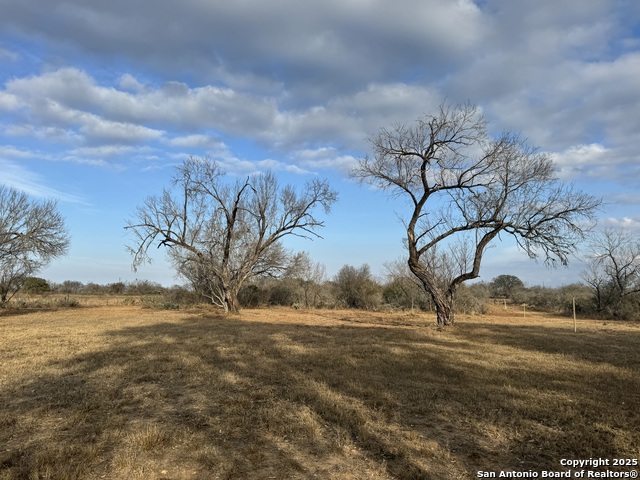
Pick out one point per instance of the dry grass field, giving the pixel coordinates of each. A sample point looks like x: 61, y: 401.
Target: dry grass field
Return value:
x: 119, y: 392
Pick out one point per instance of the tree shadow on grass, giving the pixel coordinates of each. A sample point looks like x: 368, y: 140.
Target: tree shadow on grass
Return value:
x: 618, y: 348
x: 226, y: 398
x: 13, y: 311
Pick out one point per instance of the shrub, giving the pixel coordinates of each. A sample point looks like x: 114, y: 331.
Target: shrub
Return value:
x: 172, y: 299
x: 282, y: 294
x: 94, y: 289
x: 403, y: 292
x: 67, y: 302
x: 35, y: 285
x: 356, y: 288
x: 251, y: 296
x: 159, y: 302
x: 472, y: 299
x: 70, y: 286
x: 505, y: 286
x: 116, y: 288
x: 144, y: 287
x: 181, y: 296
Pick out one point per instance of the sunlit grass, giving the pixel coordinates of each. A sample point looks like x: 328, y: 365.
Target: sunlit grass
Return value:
x: 122, y: 392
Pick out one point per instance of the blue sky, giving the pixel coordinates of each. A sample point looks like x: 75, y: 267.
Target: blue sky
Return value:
x: 100, y: 100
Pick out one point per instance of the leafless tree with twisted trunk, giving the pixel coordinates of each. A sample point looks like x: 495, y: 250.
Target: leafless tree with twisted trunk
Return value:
x: 464, y: 189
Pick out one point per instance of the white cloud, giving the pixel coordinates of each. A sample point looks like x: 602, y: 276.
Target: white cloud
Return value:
x: 84, y: 160
x: 8, y: 151
x: 100, y: 130
x: 52, y: 134
x: 590, y: 160
x: 6, y: 54
x: 221, y: 153
x: 20, y: 178
x: 70, y: 97
x: 129, y: 83
x: 105, y: 150
x: 68, y: 100
x: 624, y: 222
x: 70, y: 87
x: 336, y: 75
x: 195, y: 141
x: 8, y: 101
x: 271, y: 164
x: 336, y: 44
x: 626, y: 198
x: 237, y: 166
x: 324, y: 158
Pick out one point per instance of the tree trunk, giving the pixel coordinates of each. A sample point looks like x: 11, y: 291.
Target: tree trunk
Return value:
x: 444, y: 316
x: 444, y: 308
x: 443, y: 301
x: 231, y: 301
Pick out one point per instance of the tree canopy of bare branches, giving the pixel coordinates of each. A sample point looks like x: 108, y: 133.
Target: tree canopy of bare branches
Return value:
x: 221, y: 234
x: 613, y: 271
x: 464, y: 189
x: 31, y: 235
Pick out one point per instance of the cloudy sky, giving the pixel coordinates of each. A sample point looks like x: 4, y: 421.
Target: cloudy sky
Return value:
x: 100, y: 100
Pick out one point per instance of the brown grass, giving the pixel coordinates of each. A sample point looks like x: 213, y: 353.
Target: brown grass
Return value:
x: 119, y: 392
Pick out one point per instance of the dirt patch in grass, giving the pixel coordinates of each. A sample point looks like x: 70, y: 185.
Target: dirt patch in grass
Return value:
x: 118, y: 392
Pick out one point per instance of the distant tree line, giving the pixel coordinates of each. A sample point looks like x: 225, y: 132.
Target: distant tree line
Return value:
x: 37, y: 285
x: 611, y: 287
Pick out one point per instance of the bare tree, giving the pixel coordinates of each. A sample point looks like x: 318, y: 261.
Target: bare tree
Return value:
x: 12, y: 276
x: 222, y: 234
x: 31, y: 235
x: 465, y: 188
x: 613, y: 270
x: 311, y: 275
x: 600, y: 285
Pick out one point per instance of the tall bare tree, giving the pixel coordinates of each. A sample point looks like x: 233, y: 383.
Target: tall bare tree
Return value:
x: 464, y: 189
x: 613, y: 269
x: 31, y: 235
x: 309, y: 276
x: 221, y: 234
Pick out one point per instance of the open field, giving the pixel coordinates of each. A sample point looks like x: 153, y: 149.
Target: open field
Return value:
x: 120, y: 392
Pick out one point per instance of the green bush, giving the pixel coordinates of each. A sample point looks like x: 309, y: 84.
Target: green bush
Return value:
x: 251, y: 296
x: 356, y: 288
x: 172, y: 299
x: 282, y: 294
x: 35, y: 285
